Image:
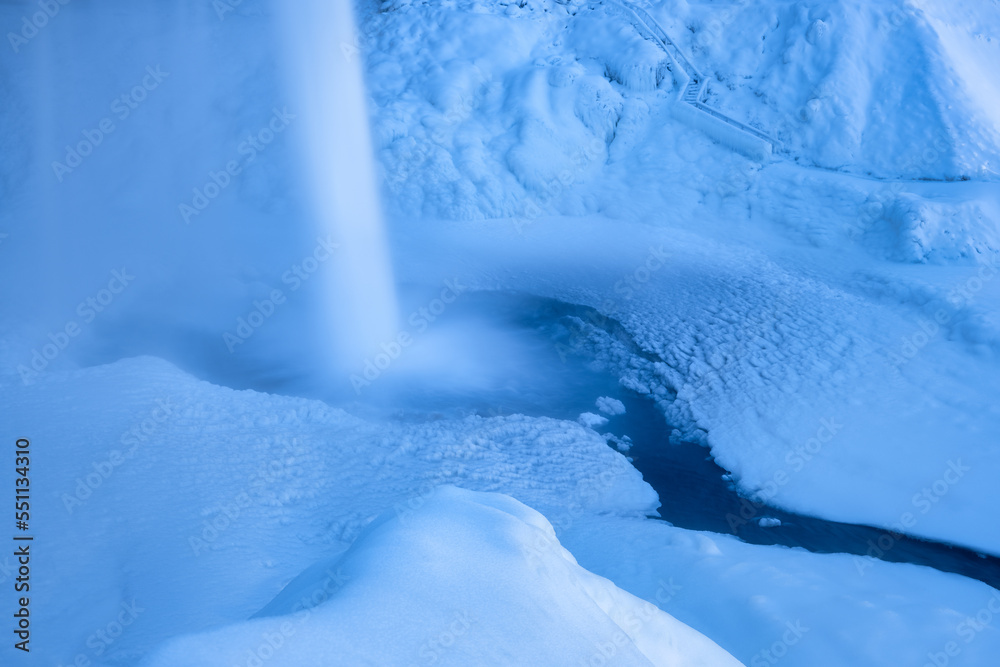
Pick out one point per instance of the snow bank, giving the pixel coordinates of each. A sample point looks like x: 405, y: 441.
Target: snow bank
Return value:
x: 911, y: 228
x: 452, y: 583
x: 729, y: 136
x: 198, y: 502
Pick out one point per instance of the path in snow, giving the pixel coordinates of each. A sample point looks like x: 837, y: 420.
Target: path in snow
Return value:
x: 694, y: 91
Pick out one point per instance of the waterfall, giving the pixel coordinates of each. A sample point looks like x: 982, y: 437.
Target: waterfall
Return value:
x: 328, y: 93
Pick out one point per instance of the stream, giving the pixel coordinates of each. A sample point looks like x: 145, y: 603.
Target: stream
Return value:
x: 496, y: 353
x: 541, y: 375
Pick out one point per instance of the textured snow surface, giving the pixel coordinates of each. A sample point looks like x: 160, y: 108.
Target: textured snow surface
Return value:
x: 793, y: 607
x: 610, y: 406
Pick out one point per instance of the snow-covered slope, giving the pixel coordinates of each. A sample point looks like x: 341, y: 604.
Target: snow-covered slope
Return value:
x: 450, y: 583
x: 867, y: 87
x: 770, y: 606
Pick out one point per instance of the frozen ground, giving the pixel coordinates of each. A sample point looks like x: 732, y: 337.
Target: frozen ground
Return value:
x: 827, y: 321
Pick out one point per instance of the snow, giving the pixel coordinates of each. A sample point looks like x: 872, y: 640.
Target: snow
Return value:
x: 865, y: 87
x: 610, y: 406
x: 834, y: 82
x: 823, y: 317
x: 454, y: 579
x: 797, y: 306
x: 810, y: 382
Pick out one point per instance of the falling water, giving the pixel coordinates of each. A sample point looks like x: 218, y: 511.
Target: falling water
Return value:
x: 329, y: 97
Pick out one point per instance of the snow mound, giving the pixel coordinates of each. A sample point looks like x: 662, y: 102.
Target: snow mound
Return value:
x: 626, y: 56
x: 449, y: 584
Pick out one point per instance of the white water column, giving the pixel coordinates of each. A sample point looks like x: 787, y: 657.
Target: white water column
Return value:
x: 328, y: 93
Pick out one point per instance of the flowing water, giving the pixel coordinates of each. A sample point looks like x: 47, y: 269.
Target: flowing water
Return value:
x: 495, y: 354
x: 518, y: 349
x: 328, y: 93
